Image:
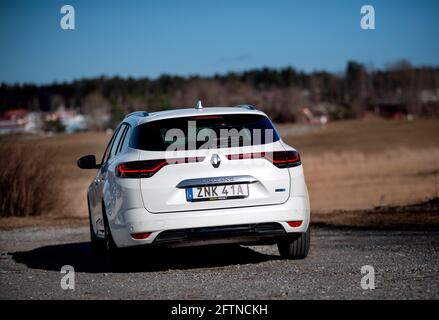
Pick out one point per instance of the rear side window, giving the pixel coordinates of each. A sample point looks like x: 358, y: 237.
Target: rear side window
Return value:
x: 201, y: 132
x: 125, y: 139
x: 116, y: 142
x: 110, y: 144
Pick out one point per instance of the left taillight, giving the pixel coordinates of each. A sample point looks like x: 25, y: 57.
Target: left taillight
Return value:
x: 147, y: 168
x: 139, y: 169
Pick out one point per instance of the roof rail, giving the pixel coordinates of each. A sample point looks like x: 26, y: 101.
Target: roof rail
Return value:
x: 137, y: 114
x: 246, y: 106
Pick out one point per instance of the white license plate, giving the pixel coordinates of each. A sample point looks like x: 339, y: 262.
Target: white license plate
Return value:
x: 222, y: 192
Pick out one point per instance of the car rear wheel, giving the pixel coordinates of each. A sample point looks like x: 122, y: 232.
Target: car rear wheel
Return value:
x: 97, y: 245
x: 295, y: 248
x: 112, y: 251
x: 110, y: 246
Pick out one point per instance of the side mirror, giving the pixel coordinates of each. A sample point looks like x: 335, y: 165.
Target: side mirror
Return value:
x: 88, y: 162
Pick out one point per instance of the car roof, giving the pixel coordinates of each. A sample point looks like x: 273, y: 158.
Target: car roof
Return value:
x: 140, y: 117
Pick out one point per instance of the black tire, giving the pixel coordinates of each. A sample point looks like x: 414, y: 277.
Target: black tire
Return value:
x: 295, y: 248
x: 111, y: 250
x: 97, y: 245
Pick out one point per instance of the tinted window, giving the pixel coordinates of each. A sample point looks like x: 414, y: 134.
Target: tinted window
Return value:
x: 116, y: 141
x: 125, y: 139
x: 152, y: 135
x: 107, y: 150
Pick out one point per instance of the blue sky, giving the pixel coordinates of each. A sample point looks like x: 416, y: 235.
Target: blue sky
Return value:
x: 185, y: 37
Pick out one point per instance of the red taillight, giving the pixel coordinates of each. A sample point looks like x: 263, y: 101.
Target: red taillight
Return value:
x: 140, y: 235
x: 285, y: 159
x: 281, y: 159
x: 139, y: 169
x: 294, y: 224
x: 147, y: 168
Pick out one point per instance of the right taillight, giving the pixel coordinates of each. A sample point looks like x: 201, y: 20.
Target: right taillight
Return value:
x: 285, y: 159
x: 147, y: 168
x: 281, y: 159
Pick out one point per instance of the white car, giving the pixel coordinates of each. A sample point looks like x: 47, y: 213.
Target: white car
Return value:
x: 175, y: 178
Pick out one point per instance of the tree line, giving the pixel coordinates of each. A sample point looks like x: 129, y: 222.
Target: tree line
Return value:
x: 281, y: 93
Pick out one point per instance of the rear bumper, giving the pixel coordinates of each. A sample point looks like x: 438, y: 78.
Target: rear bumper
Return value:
x: 261, y: 233
x: 190, y: 224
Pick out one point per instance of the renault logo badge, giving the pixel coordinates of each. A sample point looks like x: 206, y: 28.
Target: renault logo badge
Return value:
x: 215, y: 160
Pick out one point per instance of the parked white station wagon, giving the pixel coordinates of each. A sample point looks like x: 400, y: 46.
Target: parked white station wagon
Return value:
x: 198, y: 176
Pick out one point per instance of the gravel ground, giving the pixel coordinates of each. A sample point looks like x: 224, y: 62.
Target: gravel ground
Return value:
x: 406, y: 265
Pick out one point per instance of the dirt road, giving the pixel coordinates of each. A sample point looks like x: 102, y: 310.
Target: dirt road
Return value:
x: 406, y: 265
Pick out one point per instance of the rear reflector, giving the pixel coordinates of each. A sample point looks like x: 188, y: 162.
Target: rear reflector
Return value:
x: 281, y: 159
x: 140, y: 235
x: 147, y: 168
x: 294, y: 224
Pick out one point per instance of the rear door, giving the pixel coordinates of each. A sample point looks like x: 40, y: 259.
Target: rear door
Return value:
x: 100, y: 178
x: 221, y: 171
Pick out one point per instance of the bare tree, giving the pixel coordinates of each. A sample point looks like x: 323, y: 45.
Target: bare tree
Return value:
x: 97, y: 110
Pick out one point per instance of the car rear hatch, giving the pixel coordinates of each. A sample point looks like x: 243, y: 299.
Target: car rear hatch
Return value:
x: 211, y: 178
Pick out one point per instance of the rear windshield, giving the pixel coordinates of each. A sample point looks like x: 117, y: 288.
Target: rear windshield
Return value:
x: 204, y: 132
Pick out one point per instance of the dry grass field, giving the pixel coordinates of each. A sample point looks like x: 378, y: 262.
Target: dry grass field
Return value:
x: 353, y: 165
x: 362, y: 164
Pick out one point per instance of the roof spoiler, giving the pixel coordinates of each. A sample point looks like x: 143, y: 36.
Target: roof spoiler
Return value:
x: 137, y: 114
x: 246, y: 106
